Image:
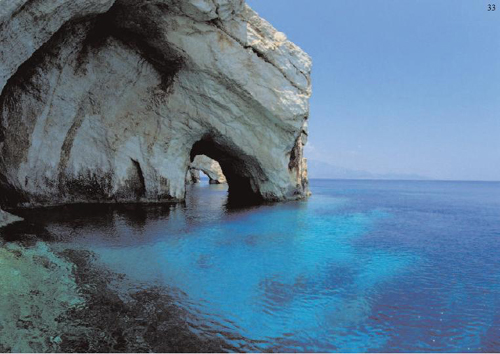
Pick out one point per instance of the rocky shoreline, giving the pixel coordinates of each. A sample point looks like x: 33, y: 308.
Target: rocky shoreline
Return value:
x: 6, y: 218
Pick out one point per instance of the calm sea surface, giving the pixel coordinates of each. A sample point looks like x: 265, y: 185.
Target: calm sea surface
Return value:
x: 360, y: 266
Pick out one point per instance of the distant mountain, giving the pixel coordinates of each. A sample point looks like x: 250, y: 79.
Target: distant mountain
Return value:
x: 319, y: 169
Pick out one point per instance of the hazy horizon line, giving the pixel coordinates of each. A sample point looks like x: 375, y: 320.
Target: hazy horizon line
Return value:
x: 405, y: 180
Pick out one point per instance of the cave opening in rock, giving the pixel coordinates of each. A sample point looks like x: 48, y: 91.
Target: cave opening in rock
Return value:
x: 205, y: 179
x: 241, y: 171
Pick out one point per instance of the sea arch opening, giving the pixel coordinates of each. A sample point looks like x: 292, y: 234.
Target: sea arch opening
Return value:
x: 203, y: 166
x: 241, y: 171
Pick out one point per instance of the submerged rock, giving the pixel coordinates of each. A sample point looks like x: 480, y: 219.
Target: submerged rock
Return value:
x: 63, y: 301
x: 209, y: 167
x: 36, y: 288
x: 109, y: 101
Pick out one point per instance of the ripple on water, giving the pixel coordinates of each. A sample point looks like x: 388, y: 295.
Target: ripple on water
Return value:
x: 361, y: 266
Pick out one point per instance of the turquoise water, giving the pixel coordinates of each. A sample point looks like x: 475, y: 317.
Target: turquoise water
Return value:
x: 360, y: 266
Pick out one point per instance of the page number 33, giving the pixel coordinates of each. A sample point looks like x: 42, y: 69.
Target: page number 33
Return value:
x: 491, y: 7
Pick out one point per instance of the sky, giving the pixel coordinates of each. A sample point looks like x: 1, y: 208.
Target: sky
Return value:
x: 406, y: 87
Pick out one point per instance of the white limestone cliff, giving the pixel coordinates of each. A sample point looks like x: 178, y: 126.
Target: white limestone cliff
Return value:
x: 110, y: 100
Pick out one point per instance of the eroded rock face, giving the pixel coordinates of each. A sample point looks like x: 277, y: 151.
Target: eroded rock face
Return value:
x: 209, y: 167
x: 108, y: 101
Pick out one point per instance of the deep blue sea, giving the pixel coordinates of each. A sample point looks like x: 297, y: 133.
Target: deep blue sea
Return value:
x: 378, y: 266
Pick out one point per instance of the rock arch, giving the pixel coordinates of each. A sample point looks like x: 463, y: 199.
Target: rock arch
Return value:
x: 108, y: 100
x: 209, y: 167
x: 243, y: 172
